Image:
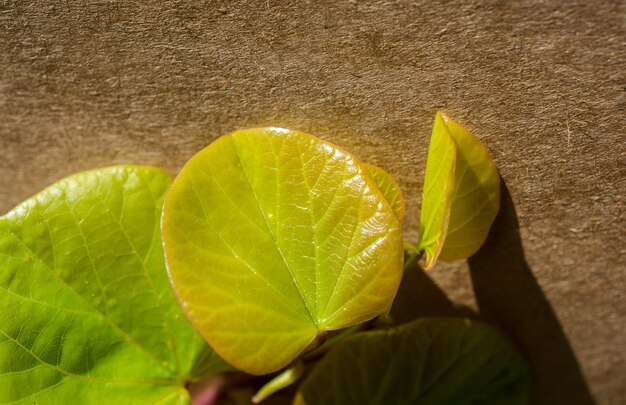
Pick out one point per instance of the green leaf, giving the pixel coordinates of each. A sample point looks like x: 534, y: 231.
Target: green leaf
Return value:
x: 432, y: 361
x: 390, y: 189
x: 274, y: 237
x: 476, y: 197
x: 461, y: 194
x: 438, y: 189
x: 88, y: 314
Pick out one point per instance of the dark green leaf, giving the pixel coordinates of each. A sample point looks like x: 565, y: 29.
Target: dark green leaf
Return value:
x: 432, y: 361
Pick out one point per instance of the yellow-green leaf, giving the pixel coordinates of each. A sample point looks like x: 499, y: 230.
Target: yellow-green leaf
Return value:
x: 476, y: 197
x: 461, y: 194
x: 390, y: 189
x: 438, y: 189
x: 274, y: 237
x: 87, y: 314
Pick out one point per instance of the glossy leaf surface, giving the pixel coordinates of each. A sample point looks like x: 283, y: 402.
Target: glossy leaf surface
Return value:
x: 461, y: 194
x: 272, y: 238
x: 390, y: 189
x: 87, y: 312
x: 432, y: 361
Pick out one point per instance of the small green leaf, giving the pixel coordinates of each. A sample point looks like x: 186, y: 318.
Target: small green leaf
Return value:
x: 438, y: 189
x: 390, y: 189
x: 88, y: 315
x: 476, y: 197
x: 432, y: 361
x: 274, y: 237
x: 461, y: 194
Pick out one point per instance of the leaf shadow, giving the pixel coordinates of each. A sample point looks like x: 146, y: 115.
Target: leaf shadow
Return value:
x: 419, y: 296
x: 508, y: 295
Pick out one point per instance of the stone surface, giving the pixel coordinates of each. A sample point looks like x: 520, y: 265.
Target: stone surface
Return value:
x: 88, y: 84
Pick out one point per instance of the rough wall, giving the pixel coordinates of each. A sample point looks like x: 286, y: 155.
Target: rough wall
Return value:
x: 91, y: 83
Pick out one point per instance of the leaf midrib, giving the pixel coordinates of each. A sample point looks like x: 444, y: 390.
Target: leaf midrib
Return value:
x: 269, y: 229
x: 83, y: 377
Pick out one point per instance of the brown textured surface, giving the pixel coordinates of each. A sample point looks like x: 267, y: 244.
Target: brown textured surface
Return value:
x: 87, y: 84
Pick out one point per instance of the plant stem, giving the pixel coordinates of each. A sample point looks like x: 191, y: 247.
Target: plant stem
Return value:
x: 414, y: 257
x: 282, y: 380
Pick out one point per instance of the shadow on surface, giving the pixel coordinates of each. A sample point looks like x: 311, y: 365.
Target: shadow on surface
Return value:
x: 419, y: 296
x: 508, y: 295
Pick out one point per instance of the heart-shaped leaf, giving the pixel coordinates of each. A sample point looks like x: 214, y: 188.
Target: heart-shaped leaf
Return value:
x: 88, y: 315
x: 432, y: 361
x: 274, y: 237
x: 461, y: 194
x: 389, y: 188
